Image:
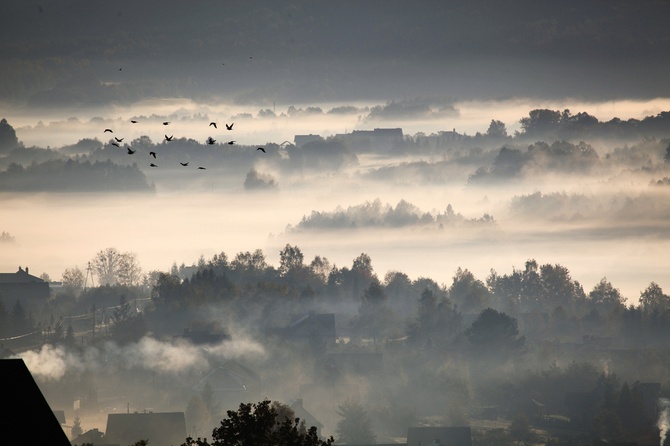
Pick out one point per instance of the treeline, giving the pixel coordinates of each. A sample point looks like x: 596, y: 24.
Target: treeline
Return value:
x: 377, y: 215
x: 73, y: 176
x: 384, y: 308
x: 454, y: 348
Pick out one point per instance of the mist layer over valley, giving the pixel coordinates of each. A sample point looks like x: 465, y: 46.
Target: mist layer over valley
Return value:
x: 370, y: 226
x: 423, y: 203
x: 392, y: 215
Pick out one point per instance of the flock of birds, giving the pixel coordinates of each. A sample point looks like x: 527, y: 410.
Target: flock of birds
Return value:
x: 117, y: 142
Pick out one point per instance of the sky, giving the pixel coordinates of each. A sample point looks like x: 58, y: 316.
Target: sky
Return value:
x: 68, y: 67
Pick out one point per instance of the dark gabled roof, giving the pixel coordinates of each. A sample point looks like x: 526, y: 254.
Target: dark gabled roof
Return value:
x: 307, y: 325
x: 304, y: 415
x: 445, y: 436
x: 21, y: 276
x: 161, y: 429
x: 27, y: 417
x: 229, y: 376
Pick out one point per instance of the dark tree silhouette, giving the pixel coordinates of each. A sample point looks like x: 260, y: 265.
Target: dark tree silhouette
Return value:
x: 495, y: 334
x: 260, y: 424
x: 8, y: 139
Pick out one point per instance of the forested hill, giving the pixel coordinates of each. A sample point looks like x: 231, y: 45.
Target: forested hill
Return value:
x: 59, y: 175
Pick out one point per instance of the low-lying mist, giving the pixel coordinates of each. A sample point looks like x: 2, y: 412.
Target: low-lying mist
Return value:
x: 601, y: 215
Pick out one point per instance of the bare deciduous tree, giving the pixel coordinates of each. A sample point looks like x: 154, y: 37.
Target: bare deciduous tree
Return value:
x: 114, y: 267
x: 73, y: 279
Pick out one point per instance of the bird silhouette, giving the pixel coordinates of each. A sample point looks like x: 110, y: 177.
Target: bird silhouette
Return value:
x: 131, y: 151
x: 166, y: 122
x: 153, y: 165
x: 169, y: 138
x: 261, y: 149
x: 108, y: 130
x: 184, y: 164
x: 231, y: 142
x: 211, y: 140
x: 201, y: 168
x: 116, y: 144
x: 230, y: 127
x: 153, y: 154
x: 133, y: 121
x: 118, y: 139
x: 214, y: 124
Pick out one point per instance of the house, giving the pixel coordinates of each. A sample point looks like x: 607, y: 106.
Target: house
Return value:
x: 230, y: 384
x: 161, y: 428
x: 93, y: 436
x: 439, y: 436
x: 376, y: 139
x: 27, y: 417
x: 301, y: 140
x: 305, y: 416
x: 311, y: 326
x: 22, y: 286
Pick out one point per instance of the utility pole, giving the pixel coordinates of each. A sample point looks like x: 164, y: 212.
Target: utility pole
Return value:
x: 89, y: 272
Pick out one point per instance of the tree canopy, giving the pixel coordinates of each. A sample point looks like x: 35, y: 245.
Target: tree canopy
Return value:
x: 260, y: 424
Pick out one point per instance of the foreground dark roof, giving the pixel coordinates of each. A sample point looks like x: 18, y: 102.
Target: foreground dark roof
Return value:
x: 27, y: 417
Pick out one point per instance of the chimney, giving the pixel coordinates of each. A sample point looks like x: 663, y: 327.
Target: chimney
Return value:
x: 27, y: 270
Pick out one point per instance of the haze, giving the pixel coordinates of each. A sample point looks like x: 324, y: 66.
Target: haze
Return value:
x: 529, y: 132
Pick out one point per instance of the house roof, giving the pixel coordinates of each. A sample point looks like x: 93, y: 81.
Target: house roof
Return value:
x: 229, y: 376
x: 445, y: 436
x: 21, y: 276
x: 27, y: 416
x: 161, y: 429
x: 311, y: 323
x: 301, y: 412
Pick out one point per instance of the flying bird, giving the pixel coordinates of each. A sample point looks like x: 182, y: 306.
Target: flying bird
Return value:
x: 211, y: 140
x: 108, y: 130
x: 201, y: 168
x: 131, y: 151
x: 184, y: 164
x: 116, y: 144
x: 214, y: 124
x: 166, y: 122
x: 231, y: 142
x: 261, y: 149
x: 169, y: 138
x: 230, y: 127
x: 118, y: 139
x: 153, y: 165
x: 153, y: 154
x: 133, y: 121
